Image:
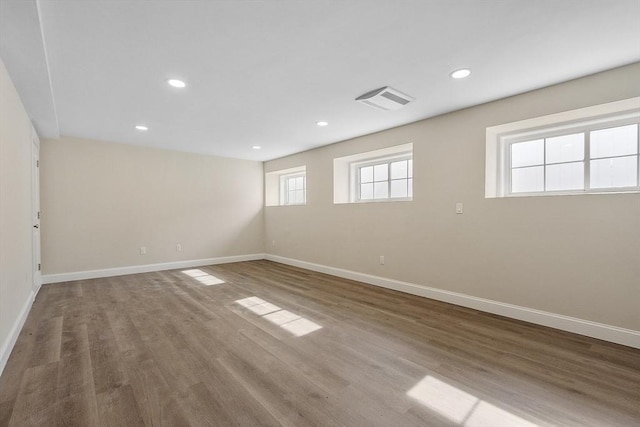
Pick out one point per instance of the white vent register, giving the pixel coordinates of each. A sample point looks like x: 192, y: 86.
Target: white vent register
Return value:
x: 385, y: 98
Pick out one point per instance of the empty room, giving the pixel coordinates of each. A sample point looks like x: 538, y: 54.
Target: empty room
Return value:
x: 320, y: 213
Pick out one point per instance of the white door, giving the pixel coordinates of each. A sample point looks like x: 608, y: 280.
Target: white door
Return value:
x: 35, y: 210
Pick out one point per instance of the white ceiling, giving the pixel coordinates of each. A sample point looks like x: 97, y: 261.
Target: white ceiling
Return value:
x: 264, y: 72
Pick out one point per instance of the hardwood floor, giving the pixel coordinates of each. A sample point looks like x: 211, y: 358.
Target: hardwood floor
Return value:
x: 278, y: 345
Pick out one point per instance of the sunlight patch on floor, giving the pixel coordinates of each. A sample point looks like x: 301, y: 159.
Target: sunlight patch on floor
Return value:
x: 287, y: 320
x: 461, y: 407
x: 203, y: 277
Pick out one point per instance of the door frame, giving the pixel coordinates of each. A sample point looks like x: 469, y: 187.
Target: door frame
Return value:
x: 35, y: 212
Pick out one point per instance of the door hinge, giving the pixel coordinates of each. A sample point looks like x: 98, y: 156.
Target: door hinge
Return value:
x: 38, y: 267
x: 37, y: 163
x: 38, y: 215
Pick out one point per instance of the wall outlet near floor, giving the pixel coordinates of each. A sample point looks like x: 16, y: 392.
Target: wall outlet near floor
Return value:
x: 459, y: 207
x: 178, y: 247
x: 273, y: 243
x: 143, y: 250
x: 381, y: 259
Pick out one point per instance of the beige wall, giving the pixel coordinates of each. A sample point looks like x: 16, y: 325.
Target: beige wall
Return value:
x: 16, y: 273
x: 573, y: 255
x: 102, y: 201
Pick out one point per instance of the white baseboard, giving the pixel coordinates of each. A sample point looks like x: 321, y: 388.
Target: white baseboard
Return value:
x: 10, y: 341
x: 601, y: 331
x: 134, y: 269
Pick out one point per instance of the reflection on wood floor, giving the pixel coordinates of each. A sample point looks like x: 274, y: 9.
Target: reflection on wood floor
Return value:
x: 260, y: 343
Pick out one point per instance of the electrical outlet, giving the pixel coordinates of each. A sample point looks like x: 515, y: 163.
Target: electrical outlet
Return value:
x: 143, y: 250
x: 381, y: 259
x: 459, y: 208
x: 273, y: 243
x: 178, y: 247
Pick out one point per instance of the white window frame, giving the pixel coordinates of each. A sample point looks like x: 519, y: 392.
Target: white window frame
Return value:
x: 585, y: 120
x: 275, y: 186
x: 355, y: 179
x: 284, y: 188
x: 345, y: 188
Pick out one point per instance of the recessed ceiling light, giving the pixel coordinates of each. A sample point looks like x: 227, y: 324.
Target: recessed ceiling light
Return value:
x: 141, y: 127
x: 176, y: 83
x: 322, y: 123
x: 461, y: 73
x: 256, y: 147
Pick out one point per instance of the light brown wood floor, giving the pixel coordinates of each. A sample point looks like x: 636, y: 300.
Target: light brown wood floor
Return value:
x: 277, y: 345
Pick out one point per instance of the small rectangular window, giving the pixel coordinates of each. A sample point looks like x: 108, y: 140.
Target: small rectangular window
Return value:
x: 293, y: 189
x: 591, y: 150
x: 286, y: 187
x: 383, y: 175
x: 385, y: 180
x: 560, y: 163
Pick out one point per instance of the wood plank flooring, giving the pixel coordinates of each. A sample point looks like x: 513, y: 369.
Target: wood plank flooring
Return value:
x: 278, y: 345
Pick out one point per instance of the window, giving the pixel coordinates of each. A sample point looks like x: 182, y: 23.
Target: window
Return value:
x: 286, y: 187
x: 602, y: 159
x: 374, y: 176
x: 293, y: 189
x: 582, y: 151
x: 384, y: 179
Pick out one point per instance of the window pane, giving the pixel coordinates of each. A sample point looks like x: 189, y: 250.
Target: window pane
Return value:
x: 381, y: 172
x: 381, y: 190
x: 398, y: 170
x: 566, y: 176
x: 566, y: 148
x: 614, y: 141
x: 300, y: 182
x: 366, y: 174
x: 410, y: 191
x: 616, y: 172
x: 291, y: 182
x: 399, y: 188
x: 526, y: 180
x: 291, y: 197
x: 366, y: 191
x: 410, y: 162
x: 300, y: 196
x: 527, y: 153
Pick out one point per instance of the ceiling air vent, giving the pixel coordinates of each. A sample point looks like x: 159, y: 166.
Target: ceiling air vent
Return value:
x: 385, y: 98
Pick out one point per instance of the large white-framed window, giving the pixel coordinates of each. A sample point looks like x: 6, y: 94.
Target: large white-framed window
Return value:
x: 384, y: 175
x: 286, y: 187
x: 293, y: 189
x: 591, y: 150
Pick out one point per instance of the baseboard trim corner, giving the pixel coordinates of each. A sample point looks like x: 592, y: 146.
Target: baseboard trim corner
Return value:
x: 10, y: 341
x: 147, y: 268
x: 588, y: 328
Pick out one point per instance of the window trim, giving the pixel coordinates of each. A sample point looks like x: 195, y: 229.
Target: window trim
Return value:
x: 500, y: 138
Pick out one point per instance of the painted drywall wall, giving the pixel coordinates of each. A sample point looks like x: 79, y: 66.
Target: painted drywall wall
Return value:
x: 102, y: 202
x: 577, y: 256
x: 16, y: 273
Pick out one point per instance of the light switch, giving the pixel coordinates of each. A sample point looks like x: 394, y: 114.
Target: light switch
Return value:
x: 459, y: 207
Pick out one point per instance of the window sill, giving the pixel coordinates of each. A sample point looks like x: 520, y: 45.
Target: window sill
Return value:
x: 568, y: 193
x: 364, y: 202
